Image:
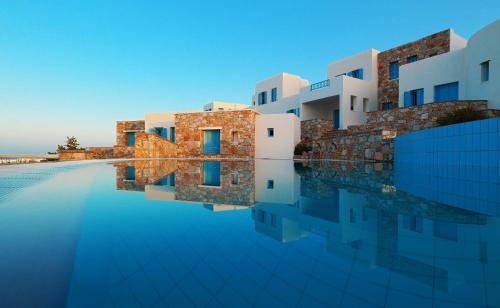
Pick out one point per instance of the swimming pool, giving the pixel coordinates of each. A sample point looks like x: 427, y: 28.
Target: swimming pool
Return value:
x: 166, y: 233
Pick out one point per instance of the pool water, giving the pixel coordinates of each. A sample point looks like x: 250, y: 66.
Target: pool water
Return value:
x: 166, y: 233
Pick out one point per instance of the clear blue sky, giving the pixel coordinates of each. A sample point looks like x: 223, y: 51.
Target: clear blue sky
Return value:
x: 75, y: 67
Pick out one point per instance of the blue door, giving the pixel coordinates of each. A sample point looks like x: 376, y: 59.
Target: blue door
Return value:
x: 211, y: 173
x: 211, y: 141
x: 336, y: 119
x: 131, y: 139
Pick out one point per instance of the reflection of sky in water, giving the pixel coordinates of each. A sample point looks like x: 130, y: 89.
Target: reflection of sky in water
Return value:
x: 263, y: 233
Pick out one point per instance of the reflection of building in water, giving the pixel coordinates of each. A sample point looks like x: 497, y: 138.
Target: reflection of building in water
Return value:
x: 414, y: 237
x: 220, y: 186
x: 471, y: 187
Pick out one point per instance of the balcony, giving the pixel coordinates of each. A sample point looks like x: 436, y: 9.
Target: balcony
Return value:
x: 319, y: 85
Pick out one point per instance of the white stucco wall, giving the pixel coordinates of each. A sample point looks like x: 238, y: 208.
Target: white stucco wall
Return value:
x: 484, y: 45
x: 286, y: 135
x: 367, y: 60
x: 433, y: 71
x: 361, y: 89
x: 159, y: 119
x: 219, y: 106
x: 286, y: 181
x: 288, y: 87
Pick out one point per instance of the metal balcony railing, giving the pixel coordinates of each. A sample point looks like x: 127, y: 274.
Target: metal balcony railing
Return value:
x: 319, y: 85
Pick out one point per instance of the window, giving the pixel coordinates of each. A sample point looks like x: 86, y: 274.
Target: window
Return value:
x: 485, y: 71
x: 295, y: 111
x: 130, y: 173
x: 262, y: 99
x: 446, y: 230
x: 365, y: 104
x: 446, y: 92
x: 211, y: 173
x: 414, y: 97
x: 234, y: 179
x: 273, y: 220
x: 353, y: 102
x: 234, y: 137
x: 413, y: 223
x: 352, y: 216
x: 274, y: 94
x: 412, y: 59
x: 356, y: 73
x: 270, y: 184
x: 131, y: 139
x: 394, y: 70
x: 172, y: 134
x: 261, y: 216
x: 270, y: 132
x: 387, y: 106
x: 211, y: 141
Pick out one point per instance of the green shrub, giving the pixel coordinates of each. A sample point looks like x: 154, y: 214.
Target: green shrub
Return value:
x: 460, y: 116
x: 302, y: 147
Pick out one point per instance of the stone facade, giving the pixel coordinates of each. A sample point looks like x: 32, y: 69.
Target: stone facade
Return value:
x: 435, y: 44
x: 375, y: 140
x: 189, y: 183
x: 416, y: 118
x: 88, y: 153
x: 148, y: 145
x: 121, y: 149
x: 189, y: 133
x: 315, y: 129
x: 236, y: 180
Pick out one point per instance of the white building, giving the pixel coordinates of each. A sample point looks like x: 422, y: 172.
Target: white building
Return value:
x: 349, y: 91
x: 221, y: 106
x: 469, y: 72
x: 466, y: 71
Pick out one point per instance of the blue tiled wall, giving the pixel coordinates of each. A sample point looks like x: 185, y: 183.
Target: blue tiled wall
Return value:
x: 457, y: 164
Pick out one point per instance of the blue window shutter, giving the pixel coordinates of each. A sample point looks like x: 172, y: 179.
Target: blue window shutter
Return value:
x: 152, y: 130
x: 360, y: 73
x: 420, y: 96
x: 172, y: 134
x: 394, y: 70
x: 164, y: 132
x: 407, y: 99
x: 446, y: 92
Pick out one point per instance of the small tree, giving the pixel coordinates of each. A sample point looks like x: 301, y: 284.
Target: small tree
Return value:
x: 72, y: 143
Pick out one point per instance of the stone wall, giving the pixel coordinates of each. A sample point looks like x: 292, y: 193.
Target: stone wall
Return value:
x: 375, y: 140
x: 416, y: 118
x: 73, y: 155
x: 189, y: 180
x: 315, y: 129
x: 121, y: 149
x: 435, y: 44
x: 86, y: 154
x: 189, y: 133
x: 148, y: 145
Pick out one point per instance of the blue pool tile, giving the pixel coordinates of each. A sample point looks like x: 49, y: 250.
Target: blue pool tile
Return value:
x: 122, y: 296
x: 396, y: 299
x: 194, y: 290
x: 159, y: 278
x: 307, y: 302
x: 367, y: 291
x: 177, y: 298
x: 323, y: 292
